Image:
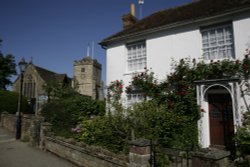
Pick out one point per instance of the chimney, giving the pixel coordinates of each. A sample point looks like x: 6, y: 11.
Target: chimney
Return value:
x: 132, y: 9
x: 129, y: 19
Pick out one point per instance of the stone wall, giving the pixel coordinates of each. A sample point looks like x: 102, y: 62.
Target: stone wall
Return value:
x: 140, y: 153
x: 8, y: 121
x: 30, y: 126
x: 83, y: 155
x: 36, y: 132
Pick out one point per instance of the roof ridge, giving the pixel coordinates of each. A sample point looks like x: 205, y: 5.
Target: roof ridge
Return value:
x: 182, y: 13
x: 44, y: 69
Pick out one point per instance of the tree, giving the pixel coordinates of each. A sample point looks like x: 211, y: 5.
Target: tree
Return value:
x: 8, y: 102
x: 65, y: 105
x: 7, y: 68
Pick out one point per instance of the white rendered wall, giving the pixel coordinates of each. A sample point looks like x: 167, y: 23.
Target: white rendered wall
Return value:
x: 179, y: 43
x: 173, y: 45
x: 241, y: 26
x: 160, y: 51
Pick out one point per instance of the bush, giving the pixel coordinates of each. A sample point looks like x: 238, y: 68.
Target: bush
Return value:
x: 242, y: 136
x: 168, y: 128
x: 110, y: 132
x: 70, y: 110
x: 9, y: 102
x: 147, y: 120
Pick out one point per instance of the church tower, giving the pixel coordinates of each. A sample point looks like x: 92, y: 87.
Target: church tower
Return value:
x: 88, y: 78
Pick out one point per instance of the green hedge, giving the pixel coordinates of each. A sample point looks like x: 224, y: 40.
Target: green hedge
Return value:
x: 9, y: 102
x: 68, y: 111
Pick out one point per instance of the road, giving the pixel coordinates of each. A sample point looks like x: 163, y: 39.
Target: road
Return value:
x: 15, y: 153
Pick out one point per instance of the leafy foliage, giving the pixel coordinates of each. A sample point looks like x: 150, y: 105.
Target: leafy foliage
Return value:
x: 169, y: 116
x: 55, y: 89
x: 69, y: 107
x: 9, y: 102
x: 145, y: 83
x: 110, y: 131
x: 242, y: 136
x: 7, y: 68
x: 146, y: 120
x: 115, y: 90
x: 155, y: 122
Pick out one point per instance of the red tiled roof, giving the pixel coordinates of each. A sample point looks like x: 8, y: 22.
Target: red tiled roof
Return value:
x: 192, y: 11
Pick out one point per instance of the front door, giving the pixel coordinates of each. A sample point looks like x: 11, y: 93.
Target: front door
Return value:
x: 221, y: 121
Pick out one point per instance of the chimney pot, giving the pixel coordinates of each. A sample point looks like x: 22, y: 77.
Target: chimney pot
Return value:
x: 132, y: 9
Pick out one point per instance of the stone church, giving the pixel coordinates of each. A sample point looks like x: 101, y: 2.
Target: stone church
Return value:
x: 87, y: 81
x: 88, y: 78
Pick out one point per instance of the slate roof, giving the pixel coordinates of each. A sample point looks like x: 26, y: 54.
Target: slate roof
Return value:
x: 192, y: 11
x: 50, y: 75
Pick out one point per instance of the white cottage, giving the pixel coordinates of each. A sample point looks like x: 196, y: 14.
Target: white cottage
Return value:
x: 206, y: 30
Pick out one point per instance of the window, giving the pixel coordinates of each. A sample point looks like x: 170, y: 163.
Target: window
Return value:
x: 29, y: 87
x: 217, y: 42
x: 134, y: 98
x: 136, y: 56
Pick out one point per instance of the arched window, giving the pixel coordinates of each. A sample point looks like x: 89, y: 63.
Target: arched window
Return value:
x: 29, y: 87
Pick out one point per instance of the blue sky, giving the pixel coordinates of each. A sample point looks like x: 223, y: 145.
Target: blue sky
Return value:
x: 57, y: 32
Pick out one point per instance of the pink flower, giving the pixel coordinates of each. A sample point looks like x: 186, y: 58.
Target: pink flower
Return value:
x: 76, y: 129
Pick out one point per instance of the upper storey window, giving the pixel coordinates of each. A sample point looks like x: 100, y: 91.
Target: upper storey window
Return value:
x: 136, y: 56
x: 217, y: 42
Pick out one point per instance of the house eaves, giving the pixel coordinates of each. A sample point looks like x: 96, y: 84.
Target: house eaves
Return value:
x: 126, y: 35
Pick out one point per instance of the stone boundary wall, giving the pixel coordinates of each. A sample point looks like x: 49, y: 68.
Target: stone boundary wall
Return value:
x: 83, y: 155
x: 35, y: 131
x: 30, y: 126
x: 8, y: 121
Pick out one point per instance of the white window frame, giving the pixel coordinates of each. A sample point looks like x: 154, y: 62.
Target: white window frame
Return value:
x: 218, y: 42
x: 134, y: 98
x: 136, y: 56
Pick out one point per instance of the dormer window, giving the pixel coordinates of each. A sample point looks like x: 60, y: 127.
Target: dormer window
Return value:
x: 136, y: 56
x: 217, y: 42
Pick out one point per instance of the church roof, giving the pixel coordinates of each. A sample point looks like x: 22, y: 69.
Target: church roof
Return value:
x: 185, y: 13
x: 47, y: 75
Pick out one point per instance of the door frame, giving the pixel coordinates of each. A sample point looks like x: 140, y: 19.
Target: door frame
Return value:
x: 231, y: 86
x: 223, y: 119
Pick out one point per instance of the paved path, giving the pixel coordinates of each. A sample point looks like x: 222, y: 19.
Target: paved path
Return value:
x: 18, y: 154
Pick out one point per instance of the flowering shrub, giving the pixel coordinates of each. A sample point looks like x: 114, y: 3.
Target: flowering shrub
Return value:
x: 144, y: 83
x: 115, y: 89
x: 246, y: 64
x: 77, y: 129
x: 169, y: 117
x: 242, y: 135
